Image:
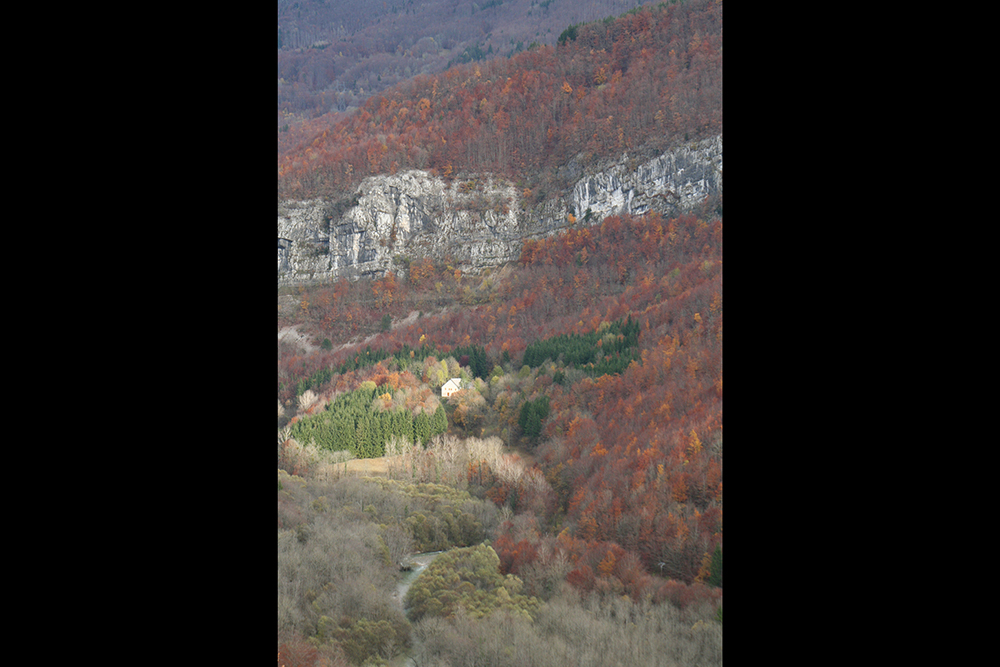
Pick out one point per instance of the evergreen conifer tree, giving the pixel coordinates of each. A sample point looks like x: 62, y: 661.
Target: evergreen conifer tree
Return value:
x: 362, y: 446
x: 440, y: 420
x: 715, y: 578
x: 534, y: 424
x: 422, y: 428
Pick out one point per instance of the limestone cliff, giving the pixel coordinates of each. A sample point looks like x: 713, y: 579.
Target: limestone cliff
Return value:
x: 480, y: 222
x: 674, y: 182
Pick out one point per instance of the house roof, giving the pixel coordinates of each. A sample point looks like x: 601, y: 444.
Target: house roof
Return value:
x: 454, y: 383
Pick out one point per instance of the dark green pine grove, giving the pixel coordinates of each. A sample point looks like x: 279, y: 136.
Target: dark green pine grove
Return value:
x: 715, y: 578
x: 353, y: 423
x: 608, y: 350
x: 533, y: 413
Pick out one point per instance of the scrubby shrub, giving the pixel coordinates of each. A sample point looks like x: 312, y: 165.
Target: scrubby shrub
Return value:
x: 468, y: 578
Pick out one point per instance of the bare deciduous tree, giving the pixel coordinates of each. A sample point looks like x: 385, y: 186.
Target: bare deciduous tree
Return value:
x: 398, y: 541
x: 307, y: 400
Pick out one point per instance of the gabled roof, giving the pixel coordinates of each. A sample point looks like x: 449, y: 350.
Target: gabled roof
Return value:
x: 454, y: 383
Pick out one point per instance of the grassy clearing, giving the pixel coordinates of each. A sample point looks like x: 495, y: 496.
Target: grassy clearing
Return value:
x: 379, y: 466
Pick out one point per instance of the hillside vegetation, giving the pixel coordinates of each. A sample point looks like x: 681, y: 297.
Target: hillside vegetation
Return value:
x: 575, y: 481
x: 618, y: 490
x: 334, y: 54
x: 644, y: 81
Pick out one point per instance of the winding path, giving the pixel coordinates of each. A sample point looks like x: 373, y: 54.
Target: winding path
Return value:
x: 419, y: 563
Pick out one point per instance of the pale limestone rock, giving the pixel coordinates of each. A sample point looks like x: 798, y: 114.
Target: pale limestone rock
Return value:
x: 480, y: 222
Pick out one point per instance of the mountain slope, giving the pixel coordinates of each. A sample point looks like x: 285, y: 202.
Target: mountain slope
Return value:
x: 632, y: 456
x: 334, y: 54
x: 642, y: 82
x: 393, y: 221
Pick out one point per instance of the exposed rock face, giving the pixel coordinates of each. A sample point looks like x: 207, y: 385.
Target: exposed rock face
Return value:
x: 411, y: 214
x: 479, y: 222
x: 681, y: 179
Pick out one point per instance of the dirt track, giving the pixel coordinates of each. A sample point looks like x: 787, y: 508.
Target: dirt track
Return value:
x: 294, y: 335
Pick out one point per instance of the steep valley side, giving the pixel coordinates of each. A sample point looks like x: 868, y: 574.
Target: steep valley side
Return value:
x: 481, y: 221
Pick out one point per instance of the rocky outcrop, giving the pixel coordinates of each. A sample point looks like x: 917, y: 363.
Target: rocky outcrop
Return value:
x: 408, y: 215
x: 479, y: 222
x: 674, y: 182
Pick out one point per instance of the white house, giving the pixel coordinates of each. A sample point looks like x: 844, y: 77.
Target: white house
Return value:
x: 450, y: 387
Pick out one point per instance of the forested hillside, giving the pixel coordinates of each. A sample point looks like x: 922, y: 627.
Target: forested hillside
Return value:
x: 334, y: 54
x: 574, y: 482
x: 640, y: 82
x: 623, y: 492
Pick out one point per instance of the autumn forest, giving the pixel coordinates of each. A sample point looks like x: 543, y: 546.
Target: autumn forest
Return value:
x: 570, y: 492
x: 637, y: 83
